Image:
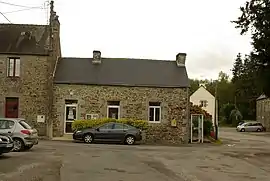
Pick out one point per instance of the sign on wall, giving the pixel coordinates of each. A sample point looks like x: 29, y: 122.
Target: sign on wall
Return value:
x: 41, y: 118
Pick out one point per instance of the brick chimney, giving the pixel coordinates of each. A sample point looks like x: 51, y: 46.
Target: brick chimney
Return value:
x: 96, y: 57
x: 181, y: 59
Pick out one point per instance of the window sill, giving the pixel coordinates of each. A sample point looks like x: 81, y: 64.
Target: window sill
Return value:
x: 154, y: 122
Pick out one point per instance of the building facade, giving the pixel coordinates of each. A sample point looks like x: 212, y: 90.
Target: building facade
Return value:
x: 263, y: 111
x: 28, y: 56
x: 203, y: 98
x: 97, y: 87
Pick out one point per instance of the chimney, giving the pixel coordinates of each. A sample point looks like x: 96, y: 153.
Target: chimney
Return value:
x: 181, y: 59
x: 96, y: 57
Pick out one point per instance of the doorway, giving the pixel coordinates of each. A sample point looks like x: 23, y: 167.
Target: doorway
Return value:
x: 12, y: 107
x: 196, y: 128
x: 71, y: 113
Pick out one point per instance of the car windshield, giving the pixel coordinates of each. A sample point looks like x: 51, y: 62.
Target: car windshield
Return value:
x: 25, y: 125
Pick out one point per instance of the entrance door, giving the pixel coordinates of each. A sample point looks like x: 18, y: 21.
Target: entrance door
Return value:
x: 70, y: 116
x: 12, y: 107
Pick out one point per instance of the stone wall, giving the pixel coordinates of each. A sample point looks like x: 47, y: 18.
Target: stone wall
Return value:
x: 134, y: 103
x: 263, y: 112
x: 31, y: 88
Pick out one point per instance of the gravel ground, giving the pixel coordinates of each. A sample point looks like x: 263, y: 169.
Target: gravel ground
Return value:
x: 245, y: 157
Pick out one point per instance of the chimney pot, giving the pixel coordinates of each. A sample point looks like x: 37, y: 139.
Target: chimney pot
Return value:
x: 96, y: 57
x: 181, y: 59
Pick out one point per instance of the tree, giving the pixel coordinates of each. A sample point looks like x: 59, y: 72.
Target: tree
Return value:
x: 256, y: 17
x: 237, y: 68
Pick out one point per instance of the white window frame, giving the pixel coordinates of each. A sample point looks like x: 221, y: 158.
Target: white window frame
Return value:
x: 15, y: 71
x: 155, y: 107
x: 113, y: 106
x: 92, y: 116
x: 203, y: 103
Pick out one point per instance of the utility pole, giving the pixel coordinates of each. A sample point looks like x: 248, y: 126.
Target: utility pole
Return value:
x: 50, y: 84
x: 216, y: 112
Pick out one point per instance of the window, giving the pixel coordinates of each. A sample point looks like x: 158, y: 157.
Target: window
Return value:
x: 113, y: 109
x: 14, y: 67
x: 6, y: 124
x: 128, y: 127
x: 118, y: 126
x: 106, y: 126
x: 25, y: 125
x: 154, y: 112
x: 203, y: 103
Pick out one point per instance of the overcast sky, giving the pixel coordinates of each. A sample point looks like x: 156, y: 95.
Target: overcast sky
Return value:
x: 154, y: 29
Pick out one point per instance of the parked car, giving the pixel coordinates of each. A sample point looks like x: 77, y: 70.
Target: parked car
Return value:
x: 24, y: 137
x: 6, y: 144
x: 250, y: 127
x: 109, y: 132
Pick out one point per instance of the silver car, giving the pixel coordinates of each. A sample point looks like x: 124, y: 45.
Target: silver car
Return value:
x: 250, y: 127
x: 23, y: 135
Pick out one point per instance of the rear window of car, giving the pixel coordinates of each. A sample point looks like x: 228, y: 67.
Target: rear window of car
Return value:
x: 128, y: 127
x: 25, y: 125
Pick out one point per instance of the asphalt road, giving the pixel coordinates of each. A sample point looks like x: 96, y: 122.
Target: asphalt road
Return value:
x: 244, y: 157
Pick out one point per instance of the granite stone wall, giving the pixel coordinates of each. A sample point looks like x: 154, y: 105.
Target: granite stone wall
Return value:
x: 134, y: 103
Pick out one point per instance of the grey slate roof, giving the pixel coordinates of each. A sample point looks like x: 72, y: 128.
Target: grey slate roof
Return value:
x: 23, y: 39
x: 121, y: 72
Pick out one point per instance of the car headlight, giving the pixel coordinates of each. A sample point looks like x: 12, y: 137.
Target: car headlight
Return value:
x: 0, y: 139
x: 78, y: 131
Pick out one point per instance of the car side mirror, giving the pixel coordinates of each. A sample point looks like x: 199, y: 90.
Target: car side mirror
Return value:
x: 97, y: 129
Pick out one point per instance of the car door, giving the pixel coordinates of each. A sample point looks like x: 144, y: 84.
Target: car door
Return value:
x: 249, y: 127
x: 7, y: 127
x: 117, y: 133
x: 103, y: 132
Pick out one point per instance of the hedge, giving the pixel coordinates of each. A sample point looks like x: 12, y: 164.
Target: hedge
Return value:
x: 81, y: 124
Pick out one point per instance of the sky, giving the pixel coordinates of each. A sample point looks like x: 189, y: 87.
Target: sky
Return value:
x: 148, y: 29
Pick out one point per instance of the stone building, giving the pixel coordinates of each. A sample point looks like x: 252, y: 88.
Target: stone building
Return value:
x: 28, y: 55
x: 152, y: 90
x: 263, y: 111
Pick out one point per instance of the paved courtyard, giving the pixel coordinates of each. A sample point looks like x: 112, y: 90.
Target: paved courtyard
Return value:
x: 242, y: 157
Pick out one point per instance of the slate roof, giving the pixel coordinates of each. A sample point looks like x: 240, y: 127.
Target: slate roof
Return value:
x: 23, y: 39
x: 121, y: 72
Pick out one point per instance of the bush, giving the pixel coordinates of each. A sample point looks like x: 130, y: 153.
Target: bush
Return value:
x: 207, y: 127
x: 81, y: 124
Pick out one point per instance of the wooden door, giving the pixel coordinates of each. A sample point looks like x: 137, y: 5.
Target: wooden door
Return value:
x: 12, y: 107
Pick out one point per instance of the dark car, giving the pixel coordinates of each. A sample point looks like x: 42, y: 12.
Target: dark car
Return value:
x: 109, y: 132
x: 6, y: 144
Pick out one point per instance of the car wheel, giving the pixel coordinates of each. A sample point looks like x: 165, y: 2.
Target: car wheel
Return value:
x: 130, y: 140
x: 28, y: 147
x: 259, y: 130
x: 243, y: 130
x: 18, y: 144
x: 88, y: 138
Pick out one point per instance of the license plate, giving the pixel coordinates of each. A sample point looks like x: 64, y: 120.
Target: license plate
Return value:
x: 10, y: 145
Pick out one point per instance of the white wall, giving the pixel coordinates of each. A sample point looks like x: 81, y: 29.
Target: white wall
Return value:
x: 203, y: 94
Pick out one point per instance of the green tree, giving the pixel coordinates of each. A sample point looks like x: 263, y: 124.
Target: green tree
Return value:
x: 237, y: 68
x: 256, y: 17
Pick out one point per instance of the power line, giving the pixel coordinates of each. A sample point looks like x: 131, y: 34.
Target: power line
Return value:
x: 22, y: 6
x: 5, y: 17
x: 26, y: 9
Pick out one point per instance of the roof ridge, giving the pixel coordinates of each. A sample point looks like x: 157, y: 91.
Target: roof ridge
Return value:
x: 118, y: 58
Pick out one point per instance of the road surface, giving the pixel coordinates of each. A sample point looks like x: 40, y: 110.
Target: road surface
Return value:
x: 244, y: 157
